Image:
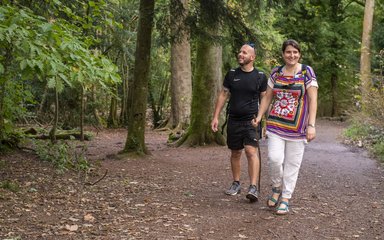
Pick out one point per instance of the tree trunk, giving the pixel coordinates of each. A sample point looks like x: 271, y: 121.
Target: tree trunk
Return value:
x: 334, y: 79
x: 181, y: 73
x: 94, y: 107
x: 337, y: 46
x: 52, y: 133
x: 124, y: 101
x: 82, y: 110
x: 206, y: 81
x: 2, y: 98
x: 136, y: 125
x: 112, y: 117
x: 43, y: 100
x: 365, y: 60
x: 4, y: 77
x: 158, y: 104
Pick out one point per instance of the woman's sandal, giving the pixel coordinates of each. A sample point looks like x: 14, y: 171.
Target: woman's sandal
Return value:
x: 272, y: 199
x: 283, y: 210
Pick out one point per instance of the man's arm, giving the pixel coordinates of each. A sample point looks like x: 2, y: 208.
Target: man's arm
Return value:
x: 223, y: 96
x: 265, y: 102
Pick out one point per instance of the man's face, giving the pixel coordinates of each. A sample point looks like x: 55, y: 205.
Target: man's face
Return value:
x: 246, y: 55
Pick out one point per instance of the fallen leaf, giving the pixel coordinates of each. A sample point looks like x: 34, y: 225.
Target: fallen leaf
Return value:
x: 242, y: 236
x: 72, y: 228
x: 89, y: 218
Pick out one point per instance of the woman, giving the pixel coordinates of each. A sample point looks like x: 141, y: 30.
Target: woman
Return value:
x: 290, y: 124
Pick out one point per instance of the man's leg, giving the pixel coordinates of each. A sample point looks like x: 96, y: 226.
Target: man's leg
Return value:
x: 235, y: 167
x: 235, y: 164
x: 253, y: 171
x: 253, y: 164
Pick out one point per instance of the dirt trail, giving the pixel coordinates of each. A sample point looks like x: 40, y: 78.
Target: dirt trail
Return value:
x: 177, y: 193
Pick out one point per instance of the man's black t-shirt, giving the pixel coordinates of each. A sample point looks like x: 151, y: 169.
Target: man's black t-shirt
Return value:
x: 245, y: 89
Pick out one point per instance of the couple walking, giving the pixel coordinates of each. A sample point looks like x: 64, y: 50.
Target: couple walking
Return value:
x: 290, y: 96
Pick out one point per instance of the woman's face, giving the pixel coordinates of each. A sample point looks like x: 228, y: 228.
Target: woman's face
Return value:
x: 291, y: 55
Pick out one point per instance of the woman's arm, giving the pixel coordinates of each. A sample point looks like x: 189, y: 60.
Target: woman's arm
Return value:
x: 312, y: 101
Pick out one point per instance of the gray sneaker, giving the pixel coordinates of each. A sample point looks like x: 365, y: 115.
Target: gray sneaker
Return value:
x: 253, y: 193
x: 234, y: 189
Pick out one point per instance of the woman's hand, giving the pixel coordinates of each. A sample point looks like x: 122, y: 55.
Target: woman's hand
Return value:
x: 311, y: 133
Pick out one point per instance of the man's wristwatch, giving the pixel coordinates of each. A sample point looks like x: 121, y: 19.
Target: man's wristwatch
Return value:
x: 311, y: 125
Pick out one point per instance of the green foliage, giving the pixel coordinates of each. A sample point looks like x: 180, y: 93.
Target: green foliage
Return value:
x: 63, y: 155
x: 329, y: 33
x: 10, y: 185
x: 356, y: 131
x: 33, y: 49
x: 378, y: 149
x: 364, y: 133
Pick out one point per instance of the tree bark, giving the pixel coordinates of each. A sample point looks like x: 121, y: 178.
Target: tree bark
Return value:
x: 52, y: 133
x: 206, y: 82
x: 365, y: 60
x: 136, y: 124
x: 181, y: 73
x: 112, y: 117
x: 334, y: 80
x: 82, y: 110
x: 125, y: 89
x: 3, y: 86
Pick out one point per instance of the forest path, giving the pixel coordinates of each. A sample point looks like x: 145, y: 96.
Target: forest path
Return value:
x: 178, y: 193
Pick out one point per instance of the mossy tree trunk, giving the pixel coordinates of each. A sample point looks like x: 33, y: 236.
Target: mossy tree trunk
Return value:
x: 112, y: 121
x: 137, y: 115
x: 207, y: 80
x: 3, y: 91
x: 181, y: 73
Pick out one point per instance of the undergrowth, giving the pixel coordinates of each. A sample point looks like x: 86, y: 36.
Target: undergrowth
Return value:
x: 63, y: 155
x: 367, y: 135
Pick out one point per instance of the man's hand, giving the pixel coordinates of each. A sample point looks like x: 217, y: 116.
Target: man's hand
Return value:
x: 256, y: 121
x: 215, y: 124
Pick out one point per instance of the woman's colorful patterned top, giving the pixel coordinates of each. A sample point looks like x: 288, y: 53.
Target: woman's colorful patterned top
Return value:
x: 289, y: 112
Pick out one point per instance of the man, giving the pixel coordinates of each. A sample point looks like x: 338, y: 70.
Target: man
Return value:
x: 244, y: 85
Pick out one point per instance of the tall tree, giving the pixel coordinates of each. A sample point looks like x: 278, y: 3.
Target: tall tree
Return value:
x: 207, y: 77
x: 365, y: 61
x: 181, y: 73
x: 137, y: 116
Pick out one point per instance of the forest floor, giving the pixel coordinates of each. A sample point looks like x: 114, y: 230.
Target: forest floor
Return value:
x: 178, y: 193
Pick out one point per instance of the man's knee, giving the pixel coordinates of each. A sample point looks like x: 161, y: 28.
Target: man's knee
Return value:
x: 236, y: 153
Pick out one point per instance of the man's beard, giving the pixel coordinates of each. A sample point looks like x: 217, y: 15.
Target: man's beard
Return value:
x: 245, y: 62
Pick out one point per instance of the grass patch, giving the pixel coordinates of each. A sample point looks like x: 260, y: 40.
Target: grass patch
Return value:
x: 368, y: 136
x: 9, y: 185
x: 378, y: 150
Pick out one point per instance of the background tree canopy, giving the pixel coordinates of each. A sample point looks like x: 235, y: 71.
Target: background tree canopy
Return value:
x: 69, y: 63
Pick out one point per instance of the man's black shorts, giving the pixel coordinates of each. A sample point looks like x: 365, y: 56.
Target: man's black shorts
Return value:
x: 241, y: 133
